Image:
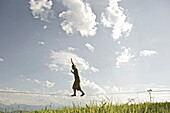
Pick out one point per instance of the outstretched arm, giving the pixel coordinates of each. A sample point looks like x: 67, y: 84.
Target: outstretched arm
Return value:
x: 72, y: 61
x: 72, y: 64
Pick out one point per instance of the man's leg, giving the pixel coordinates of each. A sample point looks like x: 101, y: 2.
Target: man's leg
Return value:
x: 74, y: 93
x: 82, y: 92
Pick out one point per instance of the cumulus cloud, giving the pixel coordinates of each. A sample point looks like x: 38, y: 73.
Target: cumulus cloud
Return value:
x: 41, y: 9
x: 91, y: 87
x: 61, y: 61
x: 90, y: 47
x: 124, y: 57
x: 114, y: 17
x: 79, y: 17
x: 46, y: 83
x: 1, y: 60
x: 147, y: 52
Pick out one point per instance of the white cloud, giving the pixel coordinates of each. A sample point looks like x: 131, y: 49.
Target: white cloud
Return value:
x: 37, y: 81
x: 53, y: 66
x: 115, y: 89
x: 94, y: 69
x: 61, y: 61
x: 45, y: 27
x: 41, y: 9
x: 1, y: 60
x: 147, y: 52
x: 41, y: 42
x: 24, y: 97
x: 90, y: 47
x: 93, y: 91
x: 124, y: 57
x: 79, y: 17
x: 5, y: 101
x: 71, y: 49
x: 46, y: 83
x: 114, y: 17
x: 91, y: 87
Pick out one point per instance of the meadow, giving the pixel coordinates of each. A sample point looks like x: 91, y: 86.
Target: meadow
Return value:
x: 104, y: 107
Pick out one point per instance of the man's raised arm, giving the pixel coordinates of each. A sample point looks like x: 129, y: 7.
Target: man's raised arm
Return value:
x: 72, y: 61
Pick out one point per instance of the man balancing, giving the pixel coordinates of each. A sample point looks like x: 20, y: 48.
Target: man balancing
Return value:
x: 76, y: 85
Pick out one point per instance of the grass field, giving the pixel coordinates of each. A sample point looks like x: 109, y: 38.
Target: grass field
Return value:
x: 110, y: 108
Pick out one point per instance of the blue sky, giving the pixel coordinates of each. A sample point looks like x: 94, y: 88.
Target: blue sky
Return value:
x: 118, y: 46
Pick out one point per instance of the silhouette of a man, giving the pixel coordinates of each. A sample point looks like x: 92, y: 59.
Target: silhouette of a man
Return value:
x: 76, y: 85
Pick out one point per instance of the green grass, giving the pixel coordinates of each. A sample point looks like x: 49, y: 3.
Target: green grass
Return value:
x: 110, y: 108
